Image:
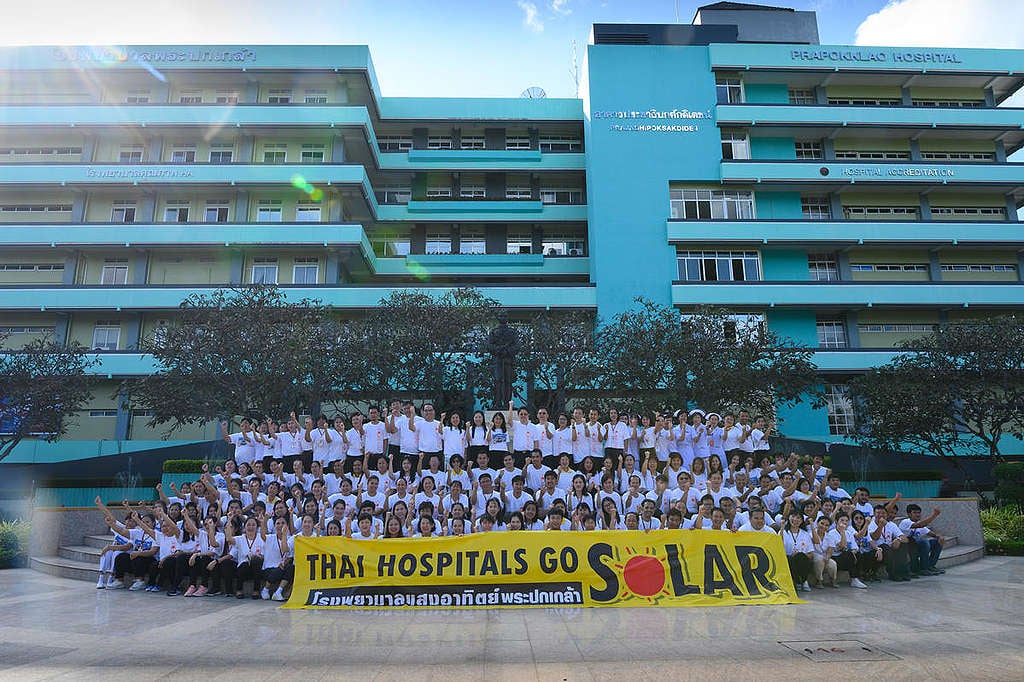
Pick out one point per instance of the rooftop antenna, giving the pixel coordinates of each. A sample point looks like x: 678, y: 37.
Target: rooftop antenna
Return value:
x: 574, y: 71
x: 533, y: 92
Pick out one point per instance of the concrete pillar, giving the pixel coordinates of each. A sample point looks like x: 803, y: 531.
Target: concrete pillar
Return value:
x: 242, y: 207
x: 147, y: 209
x: 155, y: 150
x: 990, y: 98
x: 843, y: 265
x: 78, y: 207
x: 334, y: 207
x: 70, y: 268
x: 852, y: 333
x: 132, y: 332
x: 124, y: 416
x: 494, y: 185
x: 61, y: 327
x: 925, y: 207
x: 251, y: 95
x: 828, y: 149
x: 1020, y: 266
x: 246, y: 148
x: 915, y: 150
x: 934, y: 267
x: 140, y: 268
x: 419, y: 138
x: 456, y: 185
x: 332, y: 269
x: 494, y: 138
x: 456, y: 138
x: 338, y: 149
x: 534, y: 138
x: 535, y: 187
x: 495, y: 238
x: 161, y: 93
x: 943, y: 319
x: 1000, y: 150
x: 456, y: 238
x: 418, y: 187
x: 537, y: 239
x: 237, y: 266
x: 1011, y: 209
x: 88, y: 148
x: 820, y: 95
x: 418, y: 239
x: 836, y: 206
x: 905, y: 97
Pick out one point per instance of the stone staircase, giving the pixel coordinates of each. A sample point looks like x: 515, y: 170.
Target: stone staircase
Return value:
x: 81, y: 562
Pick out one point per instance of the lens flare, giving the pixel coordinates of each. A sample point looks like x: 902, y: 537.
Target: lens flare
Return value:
x: 314, y: 193
x: 417, y: 270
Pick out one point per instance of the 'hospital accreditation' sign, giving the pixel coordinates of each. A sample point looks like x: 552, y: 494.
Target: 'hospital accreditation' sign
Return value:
x: 543, y: 569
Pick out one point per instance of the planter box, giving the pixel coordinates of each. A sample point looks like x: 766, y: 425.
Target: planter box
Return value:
x: 917, y: 489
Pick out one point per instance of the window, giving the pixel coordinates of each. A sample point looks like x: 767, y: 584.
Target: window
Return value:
x: 970, y: 212
x: 888, y: 267
x: 831, y: 334
x: 979, y: 267
x: 106, y: 335
x: 958, y: 156
x: 949, y: 103
x: 517, y: 142
x: 880, y: 212
x: 307, y: 213
x: 275, y: 153
x: 816, y: 208
x: 31, y: 267
x: 735, y: 146
x: 393, y: 195
x: 216, y: 211
x: 268, y: 211
x: 560, y: 143
x: 137, y: 97
x: 849, y: 154
x: 555, y: 195
x: 865, y: 102
x: 391, y: 245
x: 439, y: 192
x: 439, y: 142
x: 221, y: 153
x: 280, y: 96
x: 315, y: 96
x: 394, y: 143
x: 130, y: 154
x: 312, y: 153
x: 102, y: 413
x: 48, y: 331
x: 802, y: 96
x: 822, y: 267
x: 809, y: 150
x: 183, y: 155
x: 895, y: 328
x: 305, y: 271
x: 115, y: 271
x: 472, y: 192
x: 718, y: 266
x: 519, y: 242
x: 35, y: 208
x: 39, y: 151
x: 738, y: 328
x: 840, y: 409
x: 562, y: 245
x: 264, y: 271
x: 439, y: 242
x: 176, y: 212
x: 729, y: 90
x: 123, y: 212
x: 190, y: 97
x: 518, y: 193
x: 226, y: 97
x: 708, y: 204
x: 472, y: 142
x: 472, y: 241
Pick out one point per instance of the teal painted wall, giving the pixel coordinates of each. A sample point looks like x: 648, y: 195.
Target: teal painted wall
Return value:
x: 798, y: 325
x: 628, y: 203
x: 775, y: 148
x: 766, y: 93
x: 777, y: 205
x: 785, y: 264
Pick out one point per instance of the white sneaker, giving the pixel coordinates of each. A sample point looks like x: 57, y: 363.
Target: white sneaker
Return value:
x: 277, y: 595
x: 805, y: 587
x: 115, y: 585
x: 101, y: 584
x: 137, y: 585
x: 855, y: 582
x: 265, y: 593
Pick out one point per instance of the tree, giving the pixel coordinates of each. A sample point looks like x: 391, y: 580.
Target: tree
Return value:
x: 654, y: 358
x: 245, y: 351
x: 961, y: 390
x: 42, y: 385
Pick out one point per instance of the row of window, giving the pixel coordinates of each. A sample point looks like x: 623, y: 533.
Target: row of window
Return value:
x: 474, y: 242
x: 729, y: 90
x: 546, y: 143
x: 814, y: 149
x: 31, y: 267
x: 550, y: 195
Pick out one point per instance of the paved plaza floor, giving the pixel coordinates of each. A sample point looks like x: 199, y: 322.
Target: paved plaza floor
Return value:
x: 964, y: 625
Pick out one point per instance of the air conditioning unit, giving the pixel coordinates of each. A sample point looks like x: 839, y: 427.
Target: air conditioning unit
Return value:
x: 575, y: 252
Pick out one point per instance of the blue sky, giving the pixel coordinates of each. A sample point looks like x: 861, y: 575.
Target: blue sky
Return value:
x: 484, y: 48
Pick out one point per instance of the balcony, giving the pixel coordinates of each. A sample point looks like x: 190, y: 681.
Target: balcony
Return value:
x: 152, y: 235
x: 854, y: 295
x: 461, y: 210
x: 852, y: 359
x: 834, y: 234
x: 874, y: 173
x: 344, y: 296
x: 484, y: 265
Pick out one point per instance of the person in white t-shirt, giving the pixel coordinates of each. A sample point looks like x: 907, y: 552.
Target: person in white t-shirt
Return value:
x: 544, y: 432
x: 428, y: 435
x: 615, y: 435
x: 799, y: 545
x: 375, y: 439
x: 756, y: 523
x: 453, y: 436
x: 840, y: 546
x: 244, y: 441
x: 403, y: 428
x: 318, y: 438
x: 925, y: 545
x: 533, y: 473
x: 523, y: 433
x: 355, y: 443
x: 890, y: 539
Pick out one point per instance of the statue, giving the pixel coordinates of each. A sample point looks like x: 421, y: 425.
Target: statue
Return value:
x: 502, y: 344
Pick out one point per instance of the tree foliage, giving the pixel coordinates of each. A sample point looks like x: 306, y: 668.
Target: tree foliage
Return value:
x: 42, y: 385
x: 957, y: 390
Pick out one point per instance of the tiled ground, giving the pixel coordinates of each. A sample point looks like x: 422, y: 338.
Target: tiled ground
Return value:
x: 964, y: 625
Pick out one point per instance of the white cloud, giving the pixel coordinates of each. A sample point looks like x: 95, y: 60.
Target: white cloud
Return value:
x: 944, y: 23
x: 530, y: 17
x: 561, y: 6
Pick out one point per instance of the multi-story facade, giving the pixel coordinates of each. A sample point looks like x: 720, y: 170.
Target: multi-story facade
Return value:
x: 848, y: 197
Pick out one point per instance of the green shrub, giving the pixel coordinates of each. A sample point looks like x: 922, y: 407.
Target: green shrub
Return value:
x: 1010, y: 486
x: 183, y: 466
x: 1008, y: 548
x: 1002, y: 524
x: 14, y: 543
x: 905, y: 475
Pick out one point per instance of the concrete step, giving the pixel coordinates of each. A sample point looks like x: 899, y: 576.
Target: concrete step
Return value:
x: 98, y: 541
x: 960, y: 554
x: 65, y: 568
x: 79, y: 553
x: 951, y: 541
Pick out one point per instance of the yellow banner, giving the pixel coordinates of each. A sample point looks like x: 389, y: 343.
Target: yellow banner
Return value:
x: 545, y: 569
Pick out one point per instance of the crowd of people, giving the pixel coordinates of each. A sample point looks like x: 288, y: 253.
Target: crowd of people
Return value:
x: 419, y: 474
